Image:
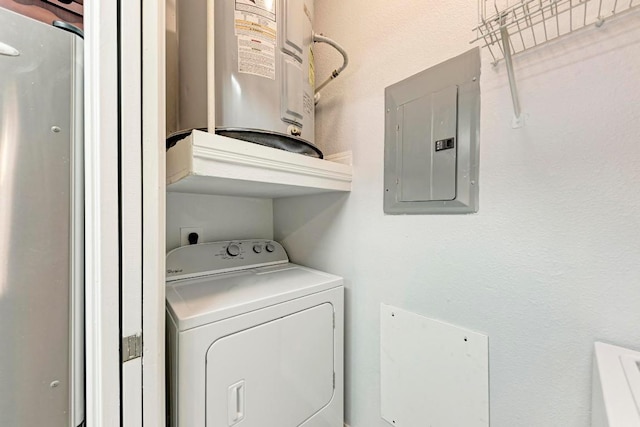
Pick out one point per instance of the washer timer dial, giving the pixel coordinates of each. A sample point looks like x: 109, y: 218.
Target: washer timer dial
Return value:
x: 233, y: 250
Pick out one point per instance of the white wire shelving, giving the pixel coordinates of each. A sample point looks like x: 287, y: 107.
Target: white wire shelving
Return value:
x: 510, y: 27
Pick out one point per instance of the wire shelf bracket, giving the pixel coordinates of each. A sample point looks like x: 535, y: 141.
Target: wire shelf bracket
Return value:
x: 518, y: 118
x: 509, y: 27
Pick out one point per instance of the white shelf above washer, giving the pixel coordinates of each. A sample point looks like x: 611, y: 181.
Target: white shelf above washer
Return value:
x: 205, y: 163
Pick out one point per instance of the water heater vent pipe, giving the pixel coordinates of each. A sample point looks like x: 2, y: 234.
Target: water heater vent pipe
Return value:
x: 319, y: 38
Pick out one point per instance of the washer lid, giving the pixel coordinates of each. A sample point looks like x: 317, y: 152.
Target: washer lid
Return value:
x: 200, y: 301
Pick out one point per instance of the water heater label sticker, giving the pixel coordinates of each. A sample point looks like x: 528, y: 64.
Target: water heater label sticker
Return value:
x: 256, y: 57
x: 307, y: 103
x: 257, y: 32
x: 264, y: 8
x: 312, y: 68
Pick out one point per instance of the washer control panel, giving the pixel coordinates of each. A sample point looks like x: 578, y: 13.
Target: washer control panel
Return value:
x: 219, y: 257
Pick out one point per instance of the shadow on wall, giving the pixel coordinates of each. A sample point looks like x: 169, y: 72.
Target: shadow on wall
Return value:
x: 308, y: 219
x: 571, y: 51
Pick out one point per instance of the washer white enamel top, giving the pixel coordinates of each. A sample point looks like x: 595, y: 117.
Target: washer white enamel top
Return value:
x: 196, y: 302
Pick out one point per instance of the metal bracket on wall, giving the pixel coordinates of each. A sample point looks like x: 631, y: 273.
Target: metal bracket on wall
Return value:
x: 507, y: 27
x: 518, y: 119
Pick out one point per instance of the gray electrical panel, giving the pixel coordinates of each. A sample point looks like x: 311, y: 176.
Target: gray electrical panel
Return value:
x: 431, y: 140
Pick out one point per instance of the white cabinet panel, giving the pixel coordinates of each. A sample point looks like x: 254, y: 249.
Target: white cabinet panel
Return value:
x: 432, y: 373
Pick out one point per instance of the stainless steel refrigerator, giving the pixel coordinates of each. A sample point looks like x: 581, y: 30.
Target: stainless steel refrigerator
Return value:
x: 41, y: 224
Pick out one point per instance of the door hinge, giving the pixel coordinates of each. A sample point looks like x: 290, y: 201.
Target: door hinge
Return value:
x: 131, y: 347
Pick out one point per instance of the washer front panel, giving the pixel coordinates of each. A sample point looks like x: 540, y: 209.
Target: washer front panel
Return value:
x: 277, y: 373
x: 189, y: 358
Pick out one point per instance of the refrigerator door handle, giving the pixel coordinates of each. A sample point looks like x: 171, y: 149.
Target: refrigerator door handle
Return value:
x: 7, y: 50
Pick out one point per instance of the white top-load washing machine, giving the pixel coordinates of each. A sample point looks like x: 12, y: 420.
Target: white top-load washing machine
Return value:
x: 252, y: 340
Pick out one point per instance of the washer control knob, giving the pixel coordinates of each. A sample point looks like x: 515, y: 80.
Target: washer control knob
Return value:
x: 233, y: 250
x: 270, y: 247
x: 257, y: 249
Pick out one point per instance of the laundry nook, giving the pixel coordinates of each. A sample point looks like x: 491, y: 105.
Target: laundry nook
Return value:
x: 267, y: 334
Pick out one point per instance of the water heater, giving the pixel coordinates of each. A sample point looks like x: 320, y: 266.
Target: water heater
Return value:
x: 248, y: 67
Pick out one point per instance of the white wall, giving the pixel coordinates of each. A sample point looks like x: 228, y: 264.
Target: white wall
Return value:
x: 220, y: 217
x: 551, y: 261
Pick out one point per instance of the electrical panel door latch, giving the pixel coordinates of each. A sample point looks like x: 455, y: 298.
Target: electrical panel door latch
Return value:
x: 445, y: 144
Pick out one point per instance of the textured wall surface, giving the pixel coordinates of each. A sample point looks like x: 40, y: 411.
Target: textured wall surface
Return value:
x: 220, y: 217
x: 552, y: 260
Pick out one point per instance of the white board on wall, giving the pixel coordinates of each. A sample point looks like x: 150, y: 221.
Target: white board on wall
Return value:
x: 432, y: 373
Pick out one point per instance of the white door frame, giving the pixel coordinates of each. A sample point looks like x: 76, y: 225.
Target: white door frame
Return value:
x: 153, y: 210
x: 131, y: 203
x: 102, y: 295
x: 102, y: 306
